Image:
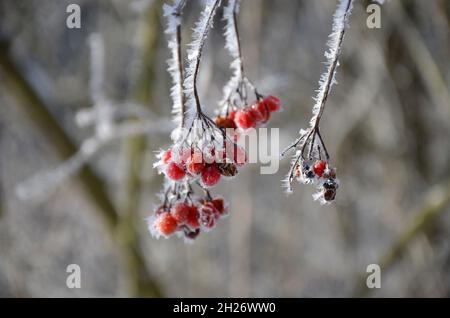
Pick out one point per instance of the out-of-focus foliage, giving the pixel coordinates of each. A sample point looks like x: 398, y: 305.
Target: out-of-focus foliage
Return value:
x: 387, y: 124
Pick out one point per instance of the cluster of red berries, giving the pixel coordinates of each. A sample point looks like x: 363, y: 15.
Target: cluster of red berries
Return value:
x: 198, y: 159
x: 207, y: 165
x: 250, y: 116
x: 187, y: 219
x: 320, y: 174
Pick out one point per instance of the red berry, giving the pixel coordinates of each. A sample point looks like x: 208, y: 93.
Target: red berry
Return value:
x: 210, y: 175
x: 263, y: 110
x: 319, y: 167
x: 272, y: 103
x: 166, y: 224
x: 175, y: 172
x: 167, y: 156
x: 208, y: 215
x: 256, y: 114
x: 232, y: 114
x: 219, y: 205
x: 192, y: 218
x: 225, y: 122
x: 181, y: 212
x: 244, y: 119
x: 195, y: 164
x: 219, y: 120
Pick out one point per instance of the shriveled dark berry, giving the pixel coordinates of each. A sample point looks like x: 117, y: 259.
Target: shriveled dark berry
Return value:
x: 227, y: 169
x: 329, y: 184
x: 329, y: 195
x: 191, y: 234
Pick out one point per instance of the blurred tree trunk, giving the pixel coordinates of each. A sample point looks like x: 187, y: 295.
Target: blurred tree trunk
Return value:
x: 133, y: 152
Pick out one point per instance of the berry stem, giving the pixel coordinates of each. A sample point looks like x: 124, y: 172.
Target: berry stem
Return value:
x: 206, y: 191
x: 323, y: 144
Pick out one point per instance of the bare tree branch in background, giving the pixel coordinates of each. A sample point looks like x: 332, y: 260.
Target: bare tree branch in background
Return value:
x: 39, y: 114
x: 140, y: 280
x: 433, y: 204
x: 104, y: 116
x: 133, y: 151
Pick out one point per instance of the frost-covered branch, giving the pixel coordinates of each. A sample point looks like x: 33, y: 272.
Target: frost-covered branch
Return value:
x: 173, y: 13
x: 232, y: 40
x: 328, y: 78
x: 194, y: 55
x: 233, y: 45
x: 97, y: 66
x: 102, y: 109
x: 310, y: 163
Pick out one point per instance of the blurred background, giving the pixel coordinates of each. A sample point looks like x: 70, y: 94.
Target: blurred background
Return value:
x: 386, y: 126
